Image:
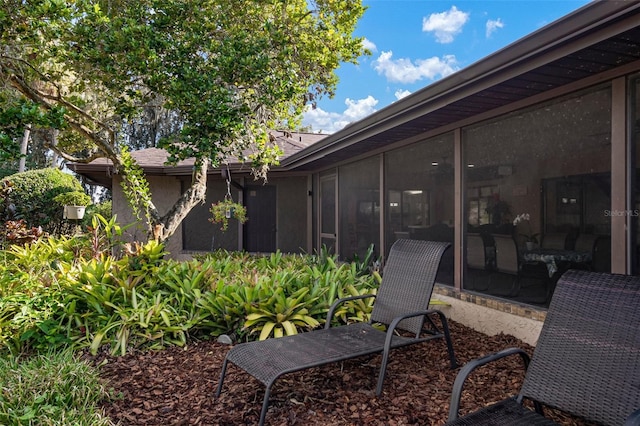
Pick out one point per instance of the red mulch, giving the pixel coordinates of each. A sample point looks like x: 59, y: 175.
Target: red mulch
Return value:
x: 176, y: 386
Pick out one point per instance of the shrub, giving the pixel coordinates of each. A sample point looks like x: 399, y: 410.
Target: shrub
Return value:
x: 103, y: 209
x: 31, y: 194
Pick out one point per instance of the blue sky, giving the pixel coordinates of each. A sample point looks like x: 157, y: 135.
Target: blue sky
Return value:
x: 417, y: 42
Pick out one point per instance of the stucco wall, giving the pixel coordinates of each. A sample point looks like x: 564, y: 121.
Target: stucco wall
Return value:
x: 197, y: 234
x: 164, y: 191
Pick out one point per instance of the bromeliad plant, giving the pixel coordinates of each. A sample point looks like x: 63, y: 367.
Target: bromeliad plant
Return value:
x: 282, y: 315
x: 76, y: 292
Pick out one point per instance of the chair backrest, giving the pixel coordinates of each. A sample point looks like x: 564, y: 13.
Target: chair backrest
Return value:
x: 407, y: 282
x: 586, y: 242
x: 506, y: 254
x: 554, y: 241
x: 587, y: 359
x: 475, y: 252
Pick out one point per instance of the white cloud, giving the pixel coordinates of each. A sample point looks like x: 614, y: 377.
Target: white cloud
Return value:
x: 331, y: 122
x: 368, y: 44
x: 399, y: 94
x: 493, y: 25
x: 405, y: 71
x: 445, y: 25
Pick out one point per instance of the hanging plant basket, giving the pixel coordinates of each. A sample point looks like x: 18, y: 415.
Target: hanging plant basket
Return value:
x: 73, y: 212
x: 223, y: 211
x: 73, y: 203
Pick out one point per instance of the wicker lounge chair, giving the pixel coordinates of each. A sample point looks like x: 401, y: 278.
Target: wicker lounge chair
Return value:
x: 401, y: 303
x: 586, y: 362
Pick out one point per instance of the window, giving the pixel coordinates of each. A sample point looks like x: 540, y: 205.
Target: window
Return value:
x: 551, y: 162
x: 481, y: 199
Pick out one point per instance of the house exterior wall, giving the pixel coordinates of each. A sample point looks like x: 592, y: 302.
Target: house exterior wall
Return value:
x: 164, y: 190
x: 489, y: 315
x: 198, y: 235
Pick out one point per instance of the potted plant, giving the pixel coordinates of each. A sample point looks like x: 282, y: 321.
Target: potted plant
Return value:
x: 227, y: 209
x: 530, y: 239
x: 74, y: 203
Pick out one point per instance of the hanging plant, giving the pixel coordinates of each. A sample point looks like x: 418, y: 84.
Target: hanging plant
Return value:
x: 73, y: 198
x: 227, y: 209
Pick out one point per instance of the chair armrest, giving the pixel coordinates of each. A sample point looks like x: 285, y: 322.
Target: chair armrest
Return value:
x: 394, y: 323
x: 468, y: 368
x: 633, y: 419
x: 338, y: 302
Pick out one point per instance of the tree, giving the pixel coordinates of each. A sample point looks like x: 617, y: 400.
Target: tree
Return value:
x: 228, y: 70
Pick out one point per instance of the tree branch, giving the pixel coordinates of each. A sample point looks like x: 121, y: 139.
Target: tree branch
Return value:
x: 42, y: 99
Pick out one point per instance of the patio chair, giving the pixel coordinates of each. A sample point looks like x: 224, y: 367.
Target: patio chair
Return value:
x: 510, y: 264
x: 586, y: 362
x: 477, y: 263
x: 401, y: 304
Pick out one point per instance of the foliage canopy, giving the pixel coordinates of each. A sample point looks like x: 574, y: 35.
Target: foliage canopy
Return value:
x: 229, y: 70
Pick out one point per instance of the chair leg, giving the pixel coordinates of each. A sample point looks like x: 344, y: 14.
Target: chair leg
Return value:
x: 383, y: 370
x: 447, y: 338
x: 222, y: 374
x: 387, y: 349
x: 265, y: 404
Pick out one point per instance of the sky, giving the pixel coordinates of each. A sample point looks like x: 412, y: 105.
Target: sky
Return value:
x: 415, y: 43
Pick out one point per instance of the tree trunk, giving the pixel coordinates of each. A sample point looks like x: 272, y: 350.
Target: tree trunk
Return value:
x: 54, y: 142
x: 166, y: 225
x: 23, y: 148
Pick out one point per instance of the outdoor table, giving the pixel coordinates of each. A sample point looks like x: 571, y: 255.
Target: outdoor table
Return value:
x: 553, y: 257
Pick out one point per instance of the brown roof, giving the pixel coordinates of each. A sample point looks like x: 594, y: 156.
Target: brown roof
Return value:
x: 153, y: 160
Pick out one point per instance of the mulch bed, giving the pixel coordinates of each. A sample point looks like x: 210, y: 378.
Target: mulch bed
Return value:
x: 176, y: 386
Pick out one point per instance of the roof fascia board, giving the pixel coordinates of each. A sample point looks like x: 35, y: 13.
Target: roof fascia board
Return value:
x: 518, y: 105
x: 545, y: 45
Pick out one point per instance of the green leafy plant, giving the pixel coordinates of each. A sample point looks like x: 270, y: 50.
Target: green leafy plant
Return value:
x: 226, y: 209
x: 53, y: 388
x: 135, y: 186
x: 30, y: 195
x: 281, y: 315
x: 73, y: 198
x: 238, y: 77
x: 60, y: 291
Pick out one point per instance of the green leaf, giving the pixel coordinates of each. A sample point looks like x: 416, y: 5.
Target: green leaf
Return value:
x: 289, y: 328
x: 266, y: 330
